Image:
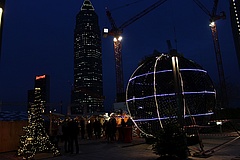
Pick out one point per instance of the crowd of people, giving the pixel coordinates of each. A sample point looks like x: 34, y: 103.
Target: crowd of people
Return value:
x: 71, y: 130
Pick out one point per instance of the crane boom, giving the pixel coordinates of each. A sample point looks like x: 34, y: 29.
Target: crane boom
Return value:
x: 141, y: 14
x: 203, y: 7
x: 214, y: 17
x: 116, y: 33
x: 214, y: 9
x: 111, y: 20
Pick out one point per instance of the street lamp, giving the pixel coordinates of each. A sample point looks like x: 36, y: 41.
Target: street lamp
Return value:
x: 2, y: 5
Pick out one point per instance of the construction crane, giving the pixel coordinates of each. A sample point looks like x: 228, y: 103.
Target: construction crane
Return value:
x: 213, y: 18
x: 116, y: 32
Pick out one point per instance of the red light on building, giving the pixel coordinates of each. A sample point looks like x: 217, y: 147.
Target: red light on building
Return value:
x: 40, y: 77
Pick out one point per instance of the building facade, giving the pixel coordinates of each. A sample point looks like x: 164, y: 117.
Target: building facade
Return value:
x: 31, y: 98
x: 235, y: 22
x: 42, y: 91
x: 87, y: 94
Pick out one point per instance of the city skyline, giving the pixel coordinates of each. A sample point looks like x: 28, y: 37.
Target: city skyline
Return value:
x: 36, y: 42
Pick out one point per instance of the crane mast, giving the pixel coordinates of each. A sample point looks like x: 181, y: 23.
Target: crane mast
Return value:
x: 119, y: 69
x: 213, y: 18
x: 116, y: 33
x: 223, y: 89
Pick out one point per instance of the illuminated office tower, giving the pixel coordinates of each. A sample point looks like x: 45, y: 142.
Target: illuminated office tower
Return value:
x: 235, y: 21
x: 42, y: 91
x: 87, y: 94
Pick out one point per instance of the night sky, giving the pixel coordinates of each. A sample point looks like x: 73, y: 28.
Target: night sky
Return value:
x: 38, y: 39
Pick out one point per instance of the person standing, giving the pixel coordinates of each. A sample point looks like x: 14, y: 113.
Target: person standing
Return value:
x: 104, y: 126
x: 82, y: 126
x: 74, y: 132
x: 108, y: 131
x: 97, y: 126
x: 66, y: 137
x: 121, y: 130
x: 89, y: 129
x: 113, y: 127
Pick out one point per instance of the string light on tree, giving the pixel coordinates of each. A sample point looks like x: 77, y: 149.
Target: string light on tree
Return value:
x: 35, y: 138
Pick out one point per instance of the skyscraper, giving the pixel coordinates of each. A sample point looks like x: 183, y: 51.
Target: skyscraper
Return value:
x: 235, y: 22
x: 30, y: 98
x: 87, y: 94
x: 42, y: 91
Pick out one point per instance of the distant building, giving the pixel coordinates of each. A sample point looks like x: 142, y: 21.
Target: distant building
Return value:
x: 42, y: 91
x: 235, y: 22
x: 120, y: 106
x: 87, y: 94
x: 31, y: 97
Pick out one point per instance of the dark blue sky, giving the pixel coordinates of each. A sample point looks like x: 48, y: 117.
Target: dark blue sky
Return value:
x: 38, y: 39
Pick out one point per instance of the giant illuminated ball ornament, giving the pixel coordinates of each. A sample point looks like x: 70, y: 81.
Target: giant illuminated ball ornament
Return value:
x: 151, y: 93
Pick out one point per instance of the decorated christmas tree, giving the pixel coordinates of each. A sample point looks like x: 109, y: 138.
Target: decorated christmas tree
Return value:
x: 35, y: 138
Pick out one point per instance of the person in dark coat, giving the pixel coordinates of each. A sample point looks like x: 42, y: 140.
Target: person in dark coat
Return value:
x: 66, y: 134
x: 74, y: 132
x: 108, y: 131
x: 82, y: 125
x: 97, y: 127
x: 121, y: 130
x: 89, y: 129
x: 113, y: 128
x: 104, y: 126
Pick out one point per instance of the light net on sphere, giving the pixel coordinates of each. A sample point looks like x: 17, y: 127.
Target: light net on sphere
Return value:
x: 151, y: 95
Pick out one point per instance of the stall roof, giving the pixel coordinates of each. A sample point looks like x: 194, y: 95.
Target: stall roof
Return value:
x: 54, y: 114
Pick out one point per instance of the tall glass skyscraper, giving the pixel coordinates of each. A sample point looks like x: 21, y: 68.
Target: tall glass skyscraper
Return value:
x: 87, y: 94
x: 235, y: 21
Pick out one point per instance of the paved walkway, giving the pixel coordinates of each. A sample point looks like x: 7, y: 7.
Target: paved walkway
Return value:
x: 139, y: 150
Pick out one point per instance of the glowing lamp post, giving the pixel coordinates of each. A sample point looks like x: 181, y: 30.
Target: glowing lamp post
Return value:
x: 2, y: 4
x: 1, y: 12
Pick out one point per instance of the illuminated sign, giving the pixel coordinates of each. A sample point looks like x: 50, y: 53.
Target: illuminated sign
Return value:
x: 40, y: 77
